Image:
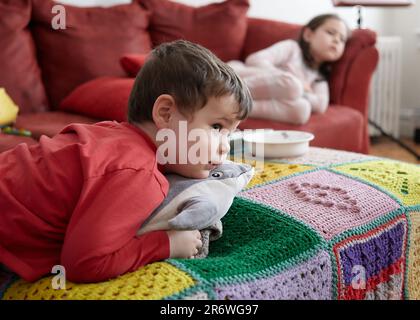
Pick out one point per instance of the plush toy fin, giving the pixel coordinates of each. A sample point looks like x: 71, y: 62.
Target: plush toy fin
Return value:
x: 195, y: 214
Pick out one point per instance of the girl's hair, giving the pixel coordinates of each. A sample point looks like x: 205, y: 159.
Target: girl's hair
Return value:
x: 315, y: 23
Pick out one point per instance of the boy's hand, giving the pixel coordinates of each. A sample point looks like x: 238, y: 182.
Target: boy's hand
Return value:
x: 184, y: 243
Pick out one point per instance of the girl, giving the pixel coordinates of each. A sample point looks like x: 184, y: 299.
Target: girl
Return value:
x: 288, y: 80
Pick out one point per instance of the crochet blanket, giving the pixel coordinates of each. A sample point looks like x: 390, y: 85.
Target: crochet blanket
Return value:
x: 328, y: 225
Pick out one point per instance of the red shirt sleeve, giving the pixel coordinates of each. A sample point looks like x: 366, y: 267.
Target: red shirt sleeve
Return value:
x: 101, y: 241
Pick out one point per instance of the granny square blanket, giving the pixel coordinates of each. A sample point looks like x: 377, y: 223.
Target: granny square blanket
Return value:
x: 327, y: 225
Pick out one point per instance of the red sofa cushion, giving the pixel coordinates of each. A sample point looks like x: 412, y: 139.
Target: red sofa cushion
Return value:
x: 220, y: 27
x: 19, y: 70
x: 132, y: 63
x: 104, y: 98
x: 90, y: 46
x: 49, y: 123
x: 338, y: 128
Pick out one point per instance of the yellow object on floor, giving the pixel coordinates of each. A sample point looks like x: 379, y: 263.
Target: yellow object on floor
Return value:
x: 8, y: 109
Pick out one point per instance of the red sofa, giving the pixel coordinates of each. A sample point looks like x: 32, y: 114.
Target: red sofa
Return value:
x: 74, y: 75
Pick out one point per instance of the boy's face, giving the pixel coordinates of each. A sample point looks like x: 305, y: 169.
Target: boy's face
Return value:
x: 202, y: 138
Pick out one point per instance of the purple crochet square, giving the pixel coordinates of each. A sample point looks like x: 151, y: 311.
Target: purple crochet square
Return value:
x: 309, y: 280
x: 376, y: 257
x: 375, y: 254
x: 329, y: 202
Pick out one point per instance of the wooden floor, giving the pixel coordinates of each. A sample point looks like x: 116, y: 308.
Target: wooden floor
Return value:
x: 384, y: 147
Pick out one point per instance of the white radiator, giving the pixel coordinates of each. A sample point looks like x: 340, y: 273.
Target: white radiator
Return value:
x: 385, y: 92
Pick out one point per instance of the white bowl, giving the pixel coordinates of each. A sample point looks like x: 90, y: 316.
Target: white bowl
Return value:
x: 277, y: 143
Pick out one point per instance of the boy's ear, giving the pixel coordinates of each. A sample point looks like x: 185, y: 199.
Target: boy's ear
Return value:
x: 163, y: 111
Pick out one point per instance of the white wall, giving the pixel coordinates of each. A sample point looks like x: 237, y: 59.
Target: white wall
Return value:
x: 301, y: 11
x: 297, y: 11
x: 404, y: 22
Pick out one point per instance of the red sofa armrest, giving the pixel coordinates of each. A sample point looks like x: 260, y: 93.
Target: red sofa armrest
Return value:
x: 352, y: 73
x: 351, y: 76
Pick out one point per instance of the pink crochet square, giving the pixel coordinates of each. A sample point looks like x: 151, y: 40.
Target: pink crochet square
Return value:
x: 329, y: 202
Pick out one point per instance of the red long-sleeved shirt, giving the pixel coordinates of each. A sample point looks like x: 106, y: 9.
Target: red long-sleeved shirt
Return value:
x: 77, y: 200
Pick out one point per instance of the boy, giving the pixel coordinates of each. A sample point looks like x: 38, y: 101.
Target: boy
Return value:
x: 78, y: 199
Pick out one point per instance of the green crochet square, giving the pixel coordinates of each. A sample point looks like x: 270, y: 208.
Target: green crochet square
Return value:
x: 256, y: 240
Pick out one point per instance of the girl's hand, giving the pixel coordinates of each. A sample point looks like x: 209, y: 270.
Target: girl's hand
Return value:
x: 307, y: 87
x: 184, y: 243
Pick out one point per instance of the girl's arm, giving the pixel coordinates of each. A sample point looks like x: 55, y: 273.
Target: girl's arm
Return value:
x: 273, y: 56
x: 319, y: 96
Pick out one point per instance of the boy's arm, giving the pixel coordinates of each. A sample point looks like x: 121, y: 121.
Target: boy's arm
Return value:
x: 100, y: 241
x: 273, y: 56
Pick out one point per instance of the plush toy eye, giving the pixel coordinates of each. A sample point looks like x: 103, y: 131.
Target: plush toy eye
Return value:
x: 217, y: 174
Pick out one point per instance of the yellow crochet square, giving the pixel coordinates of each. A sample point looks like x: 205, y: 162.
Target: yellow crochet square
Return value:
x: 273, y: 171
x: 154, y: 281
x: 414, y: 258
x: 269, y: 171
x: 400, y: 179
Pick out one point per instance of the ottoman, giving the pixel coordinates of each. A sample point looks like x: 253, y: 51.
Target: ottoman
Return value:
x: 326, y: 225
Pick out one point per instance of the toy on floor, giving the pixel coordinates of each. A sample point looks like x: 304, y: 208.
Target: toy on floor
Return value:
x: 199, y: 204
x: 8, y: 109
x: 8, y: 115
x: 15, y: 131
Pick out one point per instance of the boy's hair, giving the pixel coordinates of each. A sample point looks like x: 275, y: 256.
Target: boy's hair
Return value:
x: 313, y: 24
x: 191, y: 74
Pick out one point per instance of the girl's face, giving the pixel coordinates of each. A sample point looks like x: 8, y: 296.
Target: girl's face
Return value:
x: 327, y: 42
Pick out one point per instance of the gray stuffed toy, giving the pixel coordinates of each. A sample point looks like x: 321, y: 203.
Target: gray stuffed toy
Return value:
x: 199, y: 204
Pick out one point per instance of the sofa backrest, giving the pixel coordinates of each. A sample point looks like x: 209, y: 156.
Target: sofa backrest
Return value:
x: 262, y: 33
x: 20, y: 74
x: 69, y: 58
x: 218, y: 26
x: 90, y: 46
x: 95, y: 38
x: 40, y: 65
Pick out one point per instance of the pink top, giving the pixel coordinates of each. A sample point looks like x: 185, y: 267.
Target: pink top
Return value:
x: 287, y: 56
